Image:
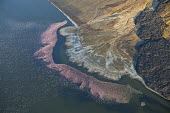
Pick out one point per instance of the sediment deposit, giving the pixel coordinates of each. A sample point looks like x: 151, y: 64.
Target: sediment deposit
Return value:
x: 109, y: 30
x: 105, y: 39
x: 103, y: 90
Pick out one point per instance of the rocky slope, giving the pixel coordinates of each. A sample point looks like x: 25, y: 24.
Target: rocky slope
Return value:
x: 153, y: 63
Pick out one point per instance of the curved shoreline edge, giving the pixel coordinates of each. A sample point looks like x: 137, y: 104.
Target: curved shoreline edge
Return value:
x: 105, y: 91
x: 77, y: 26
x: 137, y: 77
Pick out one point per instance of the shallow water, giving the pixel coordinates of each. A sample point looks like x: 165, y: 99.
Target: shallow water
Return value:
x: 26, y: 85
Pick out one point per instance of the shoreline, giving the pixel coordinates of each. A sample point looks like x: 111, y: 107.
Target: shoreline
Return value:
x: 64, y: 14
x: 156, y: 92
x: 143, y: 82
x: 137, y: 78
x: 105, y: 91
x: 85, y: 60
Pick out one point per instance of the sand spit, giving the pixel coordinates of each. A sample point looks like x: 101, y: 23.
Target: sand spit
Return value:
x: 103, y: 90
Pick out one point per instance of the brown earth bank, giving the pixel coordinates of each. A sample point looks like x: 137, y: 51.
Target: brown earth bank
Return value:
x: 153, y: 63
x: 108, y: 32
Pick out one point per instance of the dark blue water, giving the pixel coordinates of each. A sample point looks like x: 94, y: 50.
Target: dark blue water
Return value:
x: 27, y: 86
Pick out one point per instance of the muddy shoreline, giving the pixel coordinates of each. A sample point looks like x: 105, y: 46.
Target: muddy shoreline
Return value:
x: 105, y: 91
x: 139, y: 78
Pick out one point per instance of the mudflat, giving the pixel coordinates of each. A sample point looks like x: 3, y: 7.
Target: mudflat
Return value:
x: 105, y: 91
x: 108, y: 32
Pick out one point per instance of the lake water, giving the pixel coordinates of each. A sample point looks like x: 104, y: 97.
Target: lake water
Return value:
x: 27, y: 86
